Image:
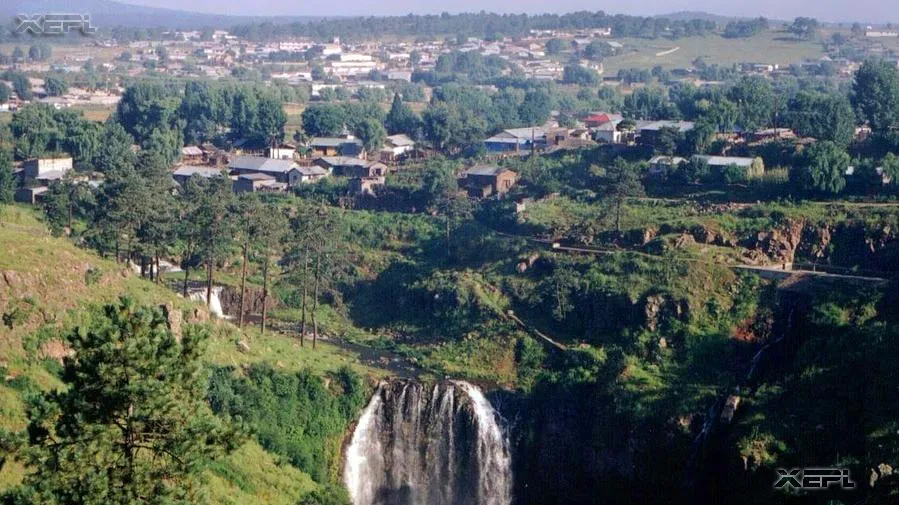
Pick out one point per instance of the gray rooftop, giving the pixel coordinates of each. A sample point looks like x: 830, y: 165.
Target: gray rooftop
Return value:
x: 261, y: 164
x: 332, y: 141
x: 723, y: 161
x: 189, y: 170
x: 485, y: 170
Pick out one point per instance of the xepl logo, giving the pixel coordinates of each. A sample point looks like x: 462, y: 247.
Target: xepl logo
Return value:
x: 53, y: 24
x: 813, y: 479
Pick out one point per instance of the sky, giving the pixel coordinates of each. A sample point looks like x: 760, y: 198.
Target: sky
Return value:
x: 877, y: 11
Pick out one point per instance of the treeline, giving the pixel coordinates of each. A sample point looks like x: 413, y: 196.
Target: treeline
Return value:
x: 482, y: 25
x: 745, y: 28
x: 159, y: 118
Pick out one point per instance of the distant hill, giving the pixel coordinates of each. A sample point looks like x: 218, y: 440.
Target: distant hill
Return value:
x: 108, y: 13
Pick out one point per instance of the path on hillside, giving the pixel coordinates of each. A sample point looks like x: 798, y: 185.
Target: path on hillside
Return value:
x: 669, y: 51
x: 768, y: 271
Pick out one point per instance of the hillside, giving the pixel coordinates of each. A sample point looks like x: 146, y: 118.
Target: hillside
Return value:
x: 108, y: 13
x: 46, y: 286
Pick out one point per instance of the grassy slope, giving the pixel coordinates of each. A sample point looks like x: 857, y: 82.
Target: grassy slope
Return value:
x: 768, y: 47
x: 48, y: 283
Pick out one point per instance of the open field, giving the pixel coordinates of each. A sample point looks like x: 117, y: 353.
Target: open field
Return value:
x: 768, y: 47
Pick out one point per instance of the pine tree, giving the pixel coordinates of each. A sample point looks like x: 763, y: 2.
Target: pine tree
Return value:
x: 131, y: 425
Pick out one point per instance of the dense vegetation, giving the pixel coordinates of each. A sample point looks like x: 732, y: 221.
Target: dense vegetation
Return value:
x: 293, y: 415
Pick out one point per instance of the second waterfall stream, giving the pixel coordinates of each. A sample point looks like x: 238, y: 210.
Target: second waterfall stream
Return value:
x: 420, y: 444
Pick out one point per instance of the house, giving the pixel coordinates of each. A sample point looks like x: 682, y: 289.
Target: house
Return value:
x: 185, y: 172
x: 772, y: 134
x: 650, y: 132
x: 312, y: 173
x: 516, y: 140
x: 192, y: 155
x: 661, y: 165
x: 752, y: 166
x: 282, y: 151
x: 598, y: 119
x: 255, y: 182
x: 336, y: 146
x: 610, y: 134
x: 396, y: 147
x: 365, y: 185
x: 283, y: 170
x: 30, y: 195
x: 483, y: 181
x: 47, y: 168
x: 564, y: 138
x: 351, y: 167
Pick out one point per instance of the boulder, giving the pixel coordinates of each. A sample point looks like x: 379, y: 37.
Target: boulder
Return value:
x: 173, y: 319
x: 730, y: 408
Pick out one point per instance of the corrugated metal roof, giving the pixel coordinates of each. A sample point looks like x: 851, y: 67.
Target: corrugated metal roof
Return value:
x: 189, y: 170
x: 261, y: 164
x: 485, y: 170
x: 723, y: 161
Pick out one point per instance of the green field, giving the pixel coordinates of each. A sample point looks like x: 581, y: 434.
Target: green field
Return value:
x: 768, y: 47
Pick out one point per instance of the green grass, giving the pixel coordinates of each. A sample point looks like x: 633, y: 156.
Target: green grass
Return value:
x: 48, y: 282
x: 769, y: 47
x: 252, y: 476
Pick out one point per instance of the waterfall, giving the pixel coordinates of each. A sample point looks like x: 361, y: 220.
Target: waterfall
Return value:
x: 428, y: 445
x: 215, y: 305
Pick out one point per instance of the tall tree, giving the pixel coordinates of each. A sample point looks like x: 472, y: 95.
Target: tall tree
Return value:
x: 214, y: 221
x: 313, y: 260
x: 131, y: 426
x: 624, y: 183
x: 261, y: 228
x: 270, y: 120
x: 821, y: 168
x: 822, y: 116
x: 875, y: 94
x: 7, y: 178
x: 401, y: 118
x: 754, y: 99
x: 323, y: 120
x: 63, y: 200
x: 372, y: 134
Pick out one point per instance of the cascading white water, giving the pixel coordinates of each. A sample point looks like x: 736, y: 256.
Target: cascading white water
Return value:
x: 414, y: 446
x: 215, y: 304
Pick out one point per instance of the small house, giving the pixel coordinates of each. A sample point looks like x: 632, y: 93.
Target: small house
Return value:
x: 351, y: 167
x: 598, y: 119
x: 650, y: 133
x: 192, y: 155
x: 516, y: 140
x: 662, y: 165
x: 365, y: 185
x: 752, y: 166
x: 282, y: 151
x: 283, y: 170
x: 610, y: 134
x: 185, y: 172
x: 32, y: 195
x: 336, y: 146
x: 256, y: 182
x: 47, y: 168
x: 312, y: 173
x: 484, y: 181
x: 396, y: 147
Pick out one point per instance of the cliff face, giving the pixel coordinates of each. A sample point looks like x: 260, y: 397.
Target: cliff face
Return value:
x: 846, y: 245
x: 230, y: 298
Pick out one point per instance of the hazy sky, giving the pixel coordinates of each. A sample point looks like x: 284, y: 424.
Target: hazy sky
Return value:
x: 829, y: 10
